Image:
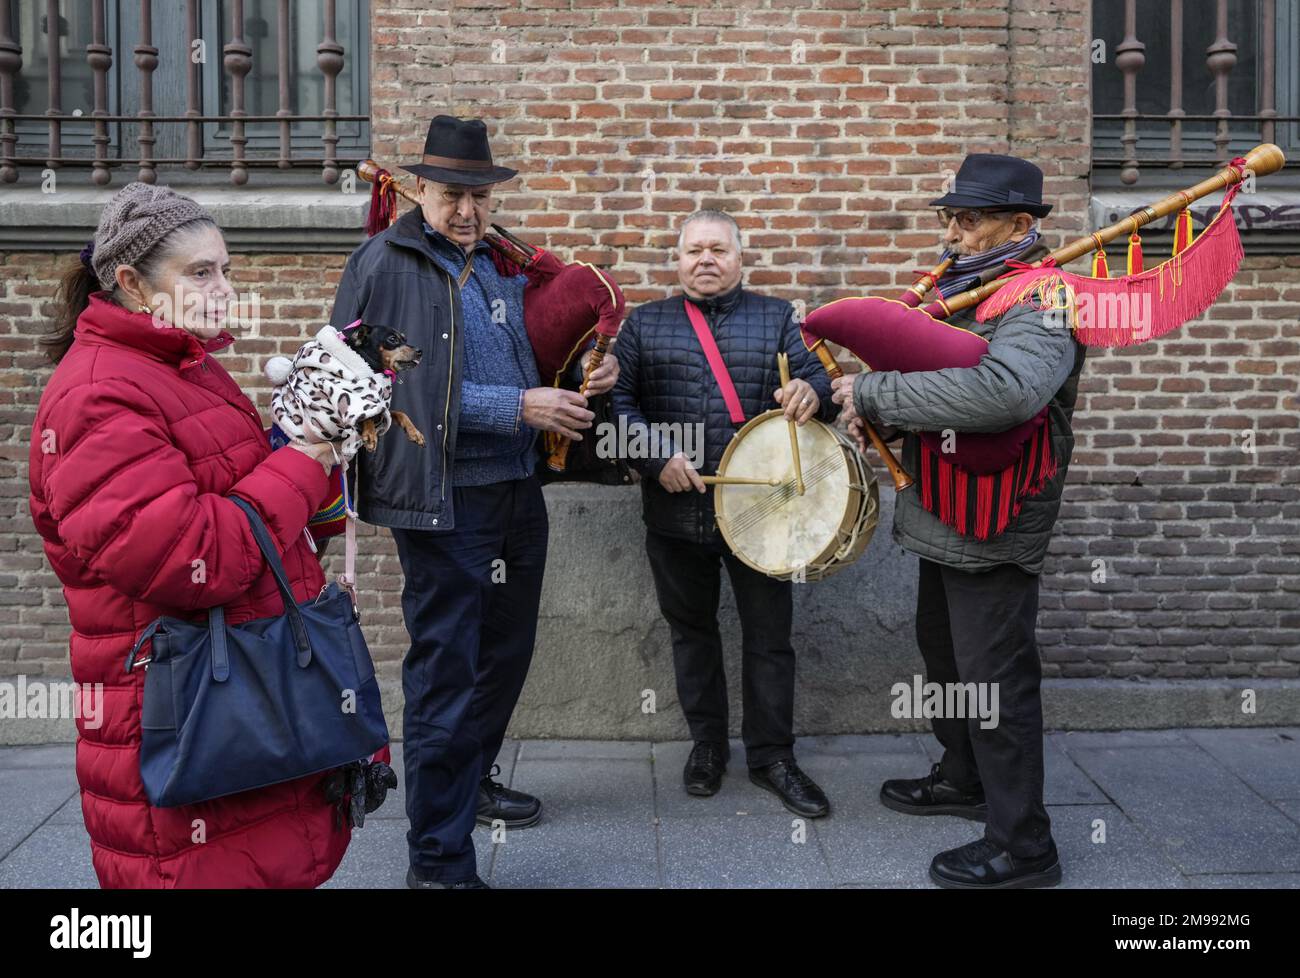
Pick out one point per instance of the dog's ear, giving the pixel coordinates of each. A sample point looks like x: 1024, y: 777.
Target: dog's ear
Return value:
x: 358, y: 336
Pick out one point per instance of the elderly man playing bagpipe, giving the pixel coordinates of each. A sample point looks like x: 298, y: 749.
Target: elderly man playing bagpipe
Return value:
x: 466, y: 509
x: 981, y: 538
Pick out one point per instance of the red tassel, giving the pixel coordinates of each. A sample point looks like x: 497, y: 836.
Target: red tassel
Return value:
x: 1134, y: 254
x: 959, y: 495
x: 383, y: 204
x: 1182, y: 231
x: 945, y: 492
x: 983, y: 505
x: 927, y: 482
x: 1100, y: 267
x: 1004, y: 500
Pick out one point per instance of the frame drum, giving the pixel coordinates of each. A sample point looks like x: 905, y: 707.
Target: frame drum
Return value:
x: 775, y: 530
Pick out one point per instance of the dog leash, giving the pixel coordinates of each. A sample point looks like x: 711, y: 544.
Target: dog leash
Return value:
x: 348, y: 579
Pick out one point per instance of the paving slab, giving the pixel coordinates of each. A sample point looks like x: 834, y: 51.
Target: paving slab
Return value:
x: 1194, y: 809
x: 888, y: 848
x: 577, y: 850
x: 31, y: 794
x: 43, y: 755
x: 52, y: 857
x: 1124, y: 860
x: 742, y: 851
x: 1246, y: 881
x: 1267, y: 759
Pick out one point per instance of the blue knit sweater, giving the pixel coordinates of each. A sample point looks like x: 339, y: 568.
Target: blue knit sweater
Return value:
x: 492, y: 443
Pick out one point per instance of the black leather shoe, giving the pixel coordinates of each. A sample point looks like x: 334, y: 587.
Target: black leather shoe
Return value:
x: 932, y: 795
x: 984, y: 865
x: 415, y: 883
x: 798, y: 792
x: 704, y: 768
x: 514, y: 808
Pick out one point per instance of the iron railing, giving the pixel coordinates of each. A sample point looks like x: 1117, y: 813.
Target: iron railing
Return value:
x: 1221, y: 57
x: 236, y: 63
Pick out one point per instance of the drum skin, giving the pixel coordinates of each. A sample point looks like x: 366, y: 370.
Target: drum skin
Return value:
x: 775, y: 530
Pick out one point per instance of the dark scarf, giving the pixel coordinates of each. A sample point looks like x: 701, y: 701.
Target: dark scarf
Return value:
x: 965, y: 271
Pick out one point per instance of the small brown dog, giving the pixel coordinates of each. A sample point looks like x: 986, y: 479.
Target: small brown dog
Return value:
x: 385, y: 351
x: 338, y: 387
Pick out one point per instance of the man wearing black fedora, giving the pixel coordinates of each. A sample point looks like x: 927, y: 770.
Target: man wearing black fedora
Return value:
x: 977, y: 599
x: 466, y: 509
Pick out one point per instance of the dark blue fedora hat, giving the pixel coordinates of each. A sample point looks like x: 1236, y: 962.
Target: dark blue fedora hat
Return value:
x: 456, y: 151
x: 991, y: 180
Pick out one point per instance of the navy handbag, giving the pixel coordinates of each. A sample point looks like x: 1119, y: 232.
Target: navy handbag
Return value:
x: 231, y: 708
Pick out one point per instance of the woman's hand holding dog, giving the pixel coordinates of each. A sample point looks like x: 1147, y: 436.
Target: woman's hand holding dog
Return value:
x: 553, y: 409
x: 321, y: 451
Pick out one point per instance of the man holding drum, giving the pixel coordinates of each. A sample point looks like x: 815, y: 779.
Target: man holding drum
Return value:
x: 977, y: 599
x: 466, y: 509
x: 708, y: 359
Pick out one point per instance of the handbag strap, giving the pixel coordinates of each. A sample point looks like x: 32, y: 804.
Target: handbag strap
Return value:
x: 265, y: 544
x: 220, y: 653
x: 716, y: 363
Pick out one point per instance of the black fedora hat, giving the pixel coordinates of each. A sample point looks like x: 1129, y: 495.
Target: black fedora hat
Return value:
x: 997, y: 182
x: 457, y: 151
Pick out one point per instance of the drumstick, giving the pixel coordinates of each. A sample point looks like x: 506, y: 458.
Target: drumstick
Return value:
x: 783, y: 362
x: 729, y: 480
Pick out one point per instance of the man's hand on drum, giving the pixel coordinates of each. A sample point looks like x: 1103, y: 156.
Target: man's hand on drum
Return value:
x: 799, y: 399
x: 604, y: 377
x: 679, y: 475
x: 558, y: 410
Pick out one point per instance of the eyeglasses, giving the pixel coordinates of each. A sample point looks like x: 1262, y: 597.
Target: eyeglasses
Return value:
x: 967, y: 220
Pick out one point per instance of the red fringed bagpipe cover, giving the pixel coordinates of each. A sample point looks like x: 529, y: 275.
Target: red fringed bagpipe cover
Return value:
x: 980, y: 486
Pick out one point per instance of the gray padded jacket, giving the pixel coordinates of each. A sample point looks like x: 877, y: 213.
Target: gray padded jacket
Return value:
x: 1032, y: 360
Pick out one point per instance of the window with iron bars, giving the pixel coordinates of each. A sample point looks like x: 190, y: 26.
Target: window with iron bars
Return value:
x: 1181, y: 84
x: 108, y: 92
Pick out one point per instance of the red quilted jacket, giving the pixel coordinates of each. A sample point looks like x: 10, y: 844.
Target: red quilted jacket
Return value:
x: 139, y: 438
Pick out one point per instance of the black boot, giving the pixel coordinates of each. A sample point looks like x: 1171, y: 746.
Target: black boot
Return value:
x: 514, y: 808
x: 798, y: 792
x: 932, y: 795
x: 704, y: 768
x: 416, y: 883
x: 985, y: 865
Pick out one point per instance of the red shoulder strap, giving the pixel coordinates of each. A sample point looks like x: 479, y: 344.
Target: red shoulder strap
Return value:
x: 716, y: 363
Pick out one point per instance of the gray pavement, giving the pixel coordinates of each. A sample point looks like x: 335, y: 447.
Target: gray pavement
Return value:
x: 1171, y: 808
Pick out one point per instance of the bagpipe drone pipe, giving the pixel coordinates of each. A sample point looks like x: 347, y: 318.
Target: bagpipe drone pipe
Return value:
x: 977, y: 487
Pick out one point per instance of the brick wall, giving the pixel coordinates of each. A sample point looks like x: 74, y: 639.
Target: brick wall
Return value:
x: 825, y: 130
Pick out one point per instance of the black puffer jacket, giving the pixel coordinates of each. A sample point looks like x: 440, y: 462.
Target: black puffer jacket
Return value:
x: 664, y: 379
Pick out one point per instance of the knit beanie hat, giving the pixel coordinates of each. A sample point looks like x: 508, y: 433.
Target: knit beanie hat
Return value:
x: 134, y: 221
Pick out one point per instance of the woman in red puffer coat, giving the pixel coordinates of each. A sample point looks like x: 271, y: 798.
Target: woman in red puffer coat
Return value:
x: 140, y: 438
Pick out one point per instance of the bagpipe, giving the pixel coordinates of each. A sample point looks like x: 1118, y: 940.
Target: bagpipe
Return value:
x: 978, y: 486
x: 564, y: 304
